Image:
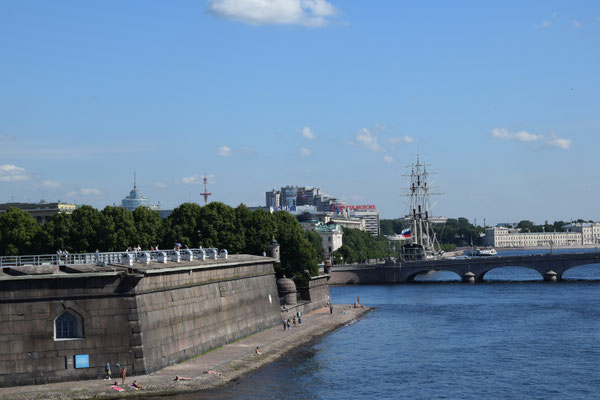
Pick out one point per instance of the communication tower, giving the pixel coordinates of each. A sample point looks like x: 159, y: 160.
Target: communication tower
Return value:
x: 205, y: 194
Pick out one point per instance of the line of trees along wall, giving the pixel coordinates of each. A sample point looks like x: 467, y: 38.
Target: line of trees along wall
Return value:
x: 239, y: 230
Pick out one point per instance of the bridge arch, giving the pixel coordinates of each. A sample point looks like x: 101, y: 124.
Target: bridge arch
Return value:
x: 581, y: 272
x: 525, y: 275
x: 450, y: 274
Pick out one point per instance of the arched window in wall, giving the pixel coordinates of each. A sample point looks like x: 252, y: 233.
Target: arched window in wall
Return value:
x: 68, y: 325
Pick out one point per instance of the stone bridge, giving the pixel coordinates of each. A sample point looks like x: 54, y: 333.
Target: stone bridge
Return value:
x: 551, y: 267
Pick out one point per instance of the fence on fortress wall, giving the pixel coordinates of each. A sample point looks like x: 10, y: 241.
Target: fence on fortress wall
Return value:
x: 105, y: 258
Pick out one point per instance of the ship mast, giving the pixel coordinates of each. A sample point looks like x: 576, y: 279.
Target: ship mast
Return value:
x: 420, y: 207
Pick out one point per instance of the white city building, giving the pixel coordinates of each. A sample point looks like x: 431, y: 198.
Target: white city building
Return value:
x: 572, y: 235
x: 371, y: 217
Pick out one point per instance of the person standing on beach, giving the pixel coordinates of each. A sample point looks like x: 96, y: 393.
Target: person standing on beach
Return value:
x: 289, y: 324
x: 123, y: 374
x: 330, y: 308
x: 284, y: 325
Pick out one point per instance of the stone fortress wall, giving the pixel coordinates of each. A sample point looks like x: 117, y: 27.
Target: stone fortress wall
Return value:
x: 144, y: 318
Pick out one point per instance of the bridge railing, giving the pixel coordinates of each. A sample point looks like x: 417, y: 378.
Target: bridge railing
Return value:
x: 118, y: 257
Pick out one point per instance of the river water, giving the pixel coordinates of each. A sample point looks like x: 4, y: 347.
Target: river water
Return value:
x: 512, y: 337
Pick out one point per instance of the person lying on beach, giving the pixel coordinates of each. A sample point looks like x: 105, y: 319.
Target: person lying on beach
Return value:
x: 117, y: 387
x: 213, y: 372
x: 257, y: 351
x: 136, y: 385
x: 182, y: 378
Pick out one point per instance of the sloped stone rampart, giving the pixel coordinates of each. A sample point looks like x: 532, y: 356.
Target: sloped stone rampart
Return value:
x: 144, y: 319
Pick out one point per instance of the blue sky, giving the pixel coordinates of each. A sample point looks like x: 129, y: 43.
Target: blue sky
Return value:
x: 501, y: 98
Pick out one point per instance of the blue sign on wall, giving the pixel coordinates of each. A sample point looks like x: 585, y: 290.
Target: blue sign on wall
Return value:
x: 82, y: 361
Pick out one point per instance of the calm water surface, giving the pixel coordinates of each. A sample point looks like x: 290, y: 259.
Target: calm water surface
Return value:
x: 514, y: 337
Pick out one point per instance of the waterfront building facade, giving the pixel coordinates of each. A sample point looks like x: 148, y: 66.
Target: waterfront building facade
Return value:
x: 573, y: 235
x: 42, y: 211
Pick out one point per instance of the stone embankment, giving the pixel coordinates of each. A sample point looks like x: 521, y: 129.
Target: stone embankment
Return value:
x: 211, y: 370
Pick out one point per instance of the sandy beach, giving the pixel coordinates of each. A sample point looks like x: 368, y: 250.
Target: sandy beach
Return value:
x: 211, y: 370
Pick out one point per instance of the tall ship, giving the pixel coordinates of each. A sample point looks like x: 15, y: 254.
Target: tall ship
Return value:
x: 423, y: 244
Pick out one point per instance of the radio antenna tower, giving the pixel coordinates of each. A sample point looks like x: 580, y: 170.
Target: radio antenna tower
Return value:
x: 206, y: 193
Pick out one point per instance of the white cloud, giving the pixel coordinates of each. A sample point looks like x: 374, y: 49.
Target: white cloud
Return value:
x: 191, y: 180
x: 90, y: 192
x: 366, y: 139
x: 402, y: 139
x: 521, y: 136
x: 304, y: 152
x: 224, y: 151
x: 160, y: 185
x: 524, y: 136
x: 559, y: 143
x: 71, y: 194
x: 576, y: 24
x: 388, y: 159
x: 261, y: 12
x: 307, y: 133
x: 197, y: 179
x: 527, y: 137
x: 50, y: 184
x: 12, y: 173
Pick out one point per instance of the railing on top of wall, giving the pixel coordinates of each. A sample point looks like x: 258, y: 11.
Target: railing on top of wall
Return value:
x: 120, y: 257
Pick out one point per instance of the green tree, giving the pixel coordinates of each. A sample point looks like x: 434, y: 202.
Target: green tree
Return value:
x: 258, y: 228
x: 58, y: 233
x: 298, y: 257
x: 317, y: 243
x: 84, y: 235
x: 117, y: 231
x: 18, y: 233
x: 148, y: 227
x: 219, y: 227
x: 182, y: 226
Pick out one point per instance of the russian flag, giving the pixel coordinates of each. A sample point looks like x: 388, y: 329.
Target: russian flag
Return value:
x: 406, y: 233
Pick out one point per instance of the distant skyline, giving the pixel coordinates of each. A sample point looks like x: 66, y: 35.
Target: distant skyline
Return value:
x: 501, y: 98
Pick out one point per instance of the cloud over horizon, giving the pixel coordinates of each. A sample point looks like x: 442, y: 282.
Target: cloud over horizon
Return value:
x: 311, y: 13
x: 368, y: 140
x: 307, y: 133
x: 305, y: 152
x: 524, y: 136
x: 224, y: 151
x: 401, y: 139
x: 12, y: 173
